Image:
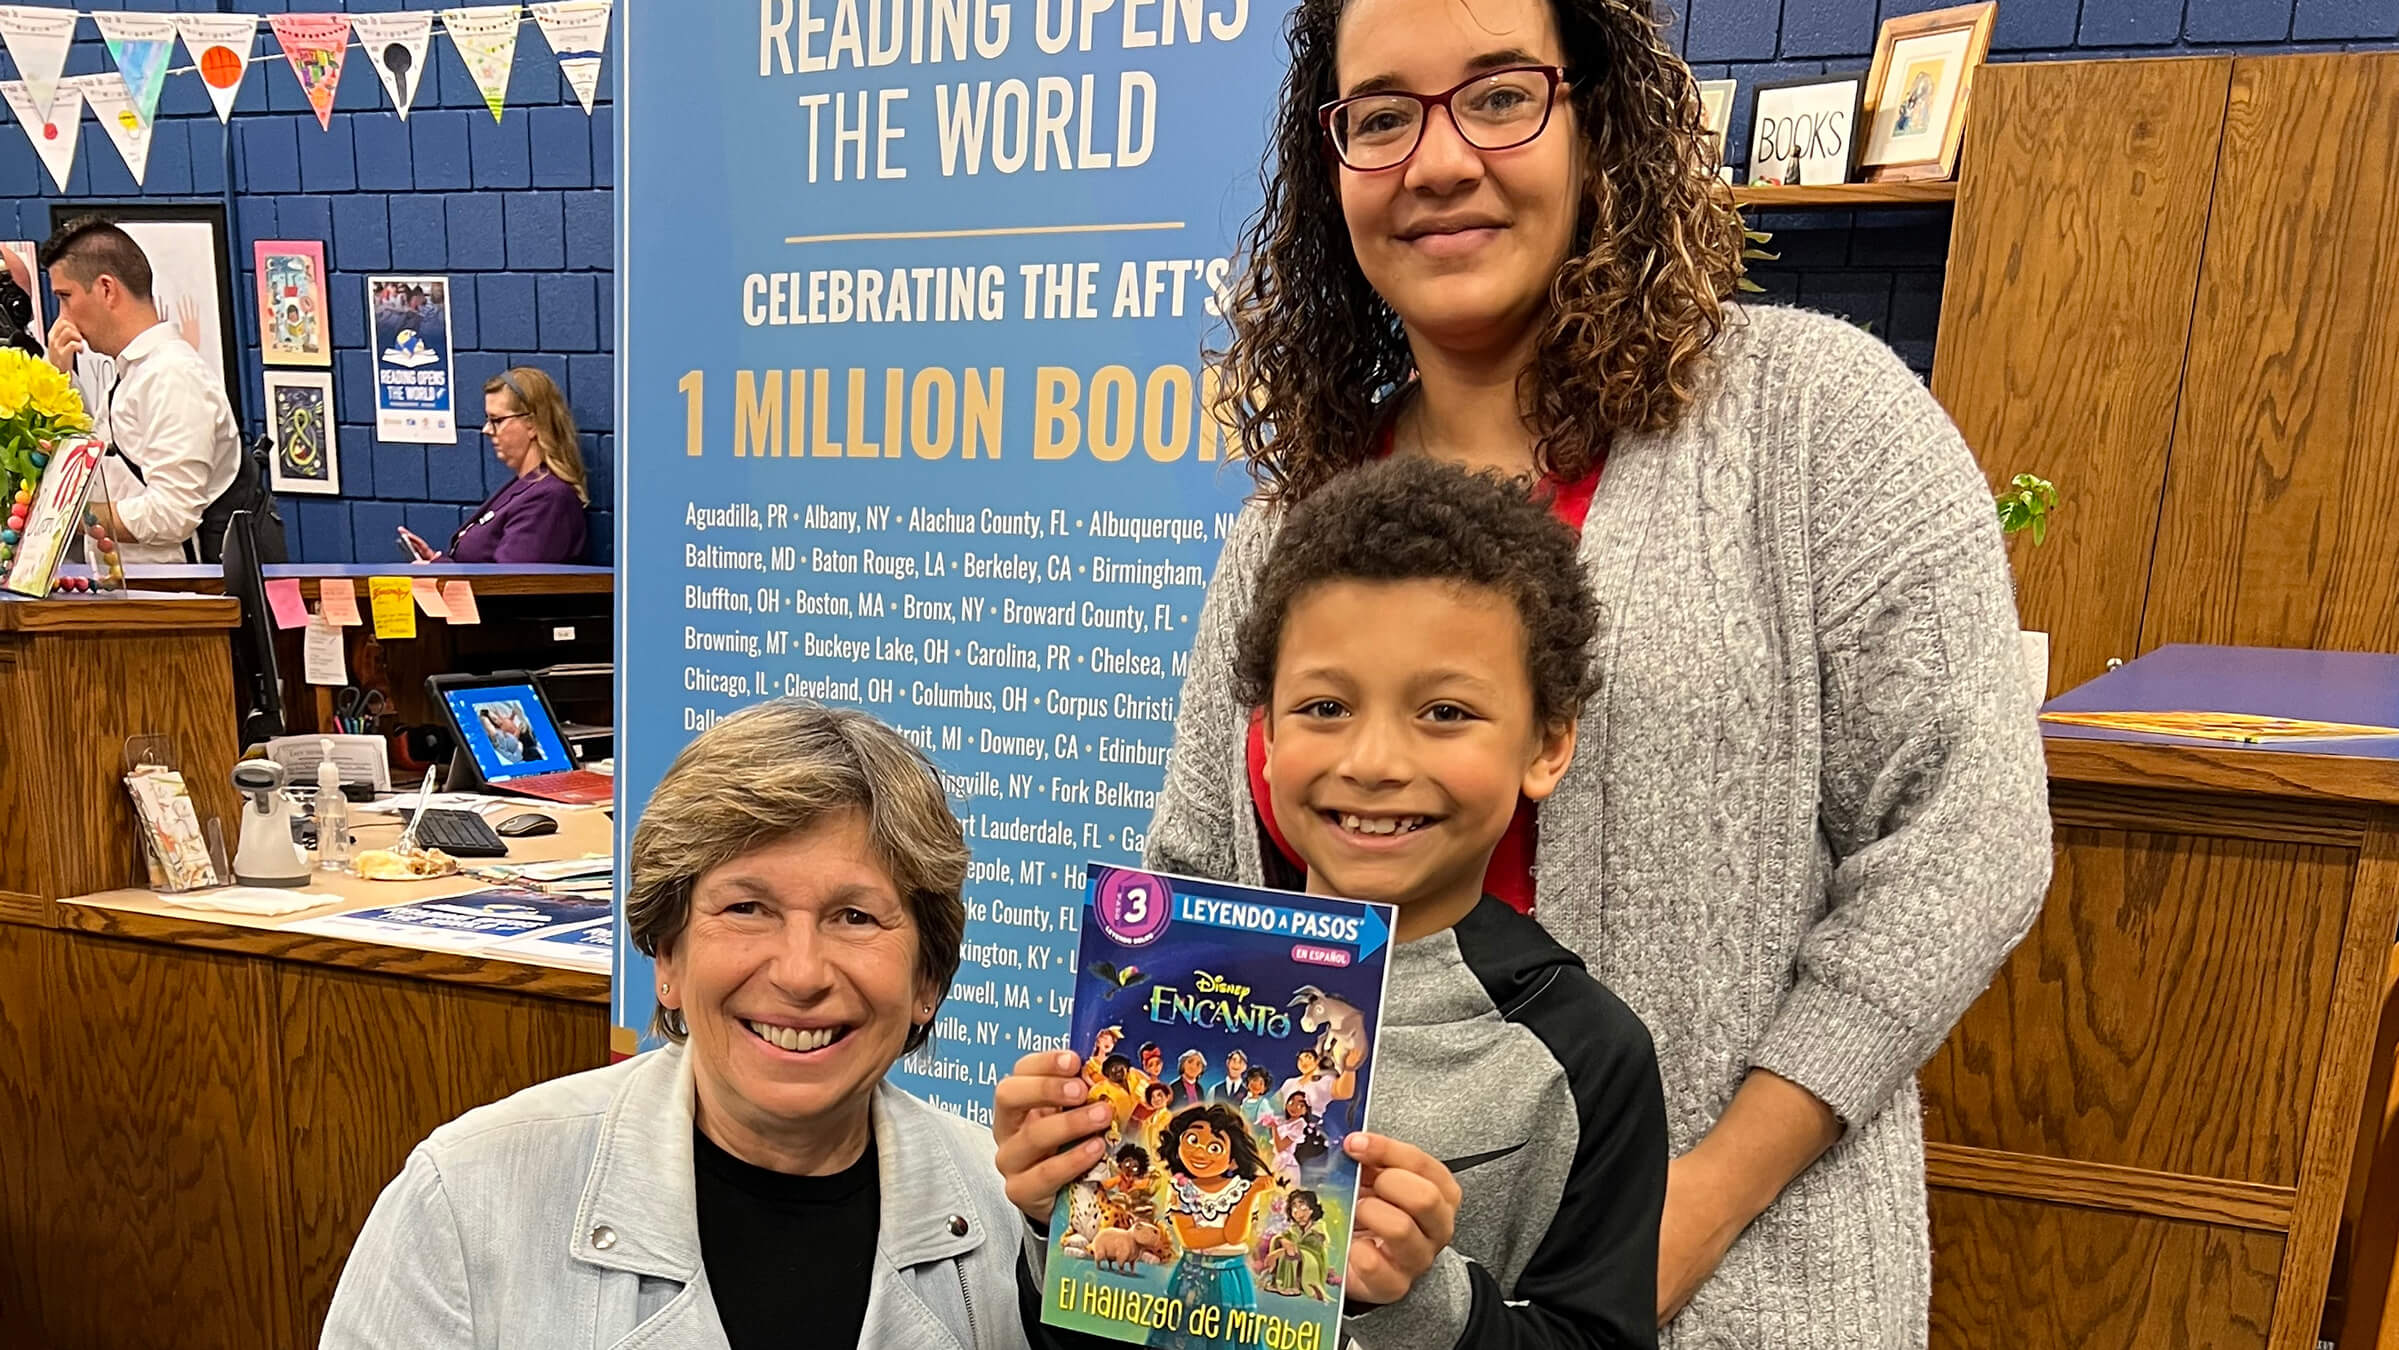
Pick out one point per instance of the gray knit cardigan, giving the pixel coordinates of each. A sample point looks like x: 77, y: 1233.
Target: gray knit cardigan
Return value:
x: 1806, y: 819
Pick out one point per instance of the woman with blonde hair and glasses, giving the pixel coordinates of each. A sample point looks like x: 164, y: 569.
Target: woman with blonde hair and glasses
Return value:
x: 756, y: 1181
x: 537, y: 516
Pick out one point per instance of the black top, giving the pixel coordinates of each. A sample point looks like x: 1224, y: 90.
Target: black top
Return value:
x: 789, y: 1258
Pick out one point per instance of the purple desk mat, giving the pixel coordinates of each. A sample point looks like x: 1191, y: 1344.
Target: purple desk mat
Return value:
x: 2360, y: 687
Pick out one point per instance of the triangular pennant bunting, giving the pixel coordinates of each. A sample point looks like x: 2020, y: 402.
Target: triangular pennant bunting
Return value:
x: 53, y: 134
x: 578, y: 33
x: 113, y: 106
x: 140, y: 44
x: 220, y: 45
x: 37, y: 39
x: 485, y: 36
x: 315, y: 45
x: 395, y: 45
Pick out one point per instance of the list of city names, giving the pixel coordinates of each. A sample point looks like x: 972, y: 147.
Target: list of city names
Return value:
x: 1035, y: 655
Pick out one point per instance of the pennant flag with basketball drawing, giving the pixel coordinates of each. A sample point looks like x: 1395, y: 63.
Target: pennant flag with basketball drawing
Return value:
x: 577, y: 31
x: 220, y: 45
x: 37, y: 39
x: 315, y: 45
x: 140, y: 45
x: 112, y: 105
x: 395, y: 45
x: 485, y: 36
x: 52, y: 134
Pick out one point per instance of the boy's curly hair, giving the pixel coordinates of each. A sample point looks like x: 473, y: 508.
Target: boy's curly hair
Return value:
x: 1410, y: 518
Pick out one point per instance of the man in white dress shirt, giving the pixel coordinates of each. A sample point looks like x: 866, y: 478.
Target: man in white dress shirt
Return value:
x: 176, y: 447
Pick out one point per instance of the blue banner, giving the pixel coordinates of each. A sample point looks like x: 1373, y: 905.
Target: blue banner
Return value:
x: 914, y: 416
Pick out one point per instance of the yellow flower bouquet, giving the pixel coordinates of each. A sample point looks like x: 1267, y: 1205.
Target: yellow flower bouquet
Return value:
x: 37, y: 406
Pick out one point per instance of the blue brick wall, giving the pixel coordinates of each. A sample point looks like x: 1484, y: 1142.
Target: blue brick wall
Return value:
x: 516, y: 213
x: 1885, y: 267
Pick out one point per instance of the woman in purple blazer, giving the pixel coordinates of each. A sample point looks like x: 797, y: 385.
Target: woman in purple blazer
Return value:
x: 537, y: 516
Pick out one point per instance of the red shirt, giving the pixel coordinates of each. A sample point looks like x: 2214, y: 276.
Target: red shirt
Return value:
x: 1510, y: 876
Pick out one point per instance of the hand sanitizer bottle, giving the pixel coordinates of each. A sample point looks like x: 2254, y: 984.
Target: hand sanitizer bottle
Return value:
x: 333, y: 813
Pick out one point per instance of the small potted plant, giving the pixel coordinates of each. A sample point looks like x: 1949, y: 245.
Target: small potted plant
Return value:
x: 2024, y: 509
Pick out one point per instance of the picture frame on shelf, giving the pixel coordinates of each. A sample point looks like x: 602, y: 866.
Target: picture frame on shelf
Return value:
x: 1716, y: 110
x: 1804, y: 132
x: 1918, y: 90
x: 299, y: 411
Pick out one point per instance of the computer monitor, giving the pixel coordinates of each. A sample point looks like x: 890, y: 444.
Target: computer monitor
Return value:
x: 504, y: 725
x: 257, y: 685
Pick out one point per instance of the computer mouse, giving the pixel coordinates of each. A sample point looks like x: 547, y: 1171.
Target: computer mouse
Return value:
x: 530, y: 822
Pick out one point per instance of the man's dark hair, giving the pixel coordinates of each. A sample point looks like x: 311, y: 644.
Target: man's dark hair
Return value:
x: 1134, y: 1154
x: 1113, y: 1063
x: 91, y: 246
x: 1415, y: 519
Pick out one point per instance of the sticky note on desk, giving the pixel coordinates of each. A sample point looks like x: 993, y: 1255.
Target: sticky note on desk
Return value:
x: 338, y: 601
x: 283, y: 597
x: 428, y: 597
x: 395, y: 615
x: 459, y: 595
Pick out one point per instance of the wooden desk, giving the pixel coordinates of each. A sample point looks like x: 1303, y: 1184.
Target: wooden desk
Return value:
x: 2142, y: 1134
x: 199, y: 1109
x: 78, y: 677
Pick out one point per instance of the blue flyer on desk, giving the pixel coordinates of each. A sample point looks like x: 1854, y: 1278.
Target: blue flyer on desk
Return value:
x: 1232, y: 1029
x: 475, y: 920
x: 584, y: 946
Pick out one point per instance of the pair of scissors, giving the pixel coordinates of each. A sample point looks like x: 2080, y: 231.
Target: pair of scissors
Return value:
x: 358, y: 711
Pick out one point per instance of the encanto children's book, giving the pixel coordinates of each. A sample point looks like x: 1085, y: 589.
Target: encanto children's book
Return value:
x: 1232, y: 1029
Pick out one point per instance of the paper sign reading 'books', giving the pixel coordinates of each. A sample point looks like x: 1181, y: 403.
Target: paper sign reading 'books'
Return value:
x: 140, y: 45
x: 577, y: 31
x: 485, y: 36
x: 315, y: 45
x: 220, y: 49
x: 395, y: 45
x: 1226, y: 1214
x: 53, y: 136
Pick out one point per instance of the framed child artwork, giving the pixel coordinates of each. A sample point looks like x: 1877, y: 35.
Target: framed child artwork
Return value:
x: 1916, y: 93
x: 293, y: 328
x: 300, y: 418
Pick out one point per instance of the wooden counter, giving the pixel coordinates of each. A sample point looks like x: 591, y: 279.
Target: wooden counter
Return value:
x: 2142, y: 1134
x: 199, y: 1108
x: 77, y: 678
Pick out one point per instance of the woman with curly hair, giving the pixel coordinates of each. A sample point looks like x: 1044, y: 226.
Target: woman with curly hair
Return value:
x: 1808, y: 818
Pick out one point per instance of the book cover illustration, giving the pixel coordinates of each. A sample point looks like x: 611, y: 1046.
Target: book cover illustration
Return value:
x: 1232, y: 1029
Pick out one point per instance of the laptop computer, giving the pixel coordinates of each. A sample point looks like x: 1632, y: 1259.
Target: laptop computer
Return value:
x: 509, y: 740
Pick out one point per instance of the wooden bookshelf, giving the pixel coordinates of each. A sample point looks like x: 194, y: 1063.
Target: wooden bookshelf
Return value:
x: 1849, y: 194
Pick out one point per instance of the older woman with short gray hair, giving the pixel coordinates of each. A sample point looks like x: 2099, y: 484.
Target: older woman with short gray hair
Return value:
x: 797, y: 877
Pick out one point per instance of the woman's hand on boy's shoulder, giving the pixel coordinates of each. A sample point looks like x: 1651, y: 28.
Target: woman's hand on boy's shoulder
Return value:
x: 1407, y: 1212
x: 1047, y: 1129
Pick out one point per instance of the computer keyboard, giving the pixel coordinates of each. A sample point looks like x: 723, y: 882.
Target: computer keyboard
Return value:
x: 461, y: 834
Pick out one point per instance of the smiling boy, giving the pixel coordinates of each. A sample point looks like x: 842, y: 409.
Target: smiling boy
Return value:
x: 1420, y: 646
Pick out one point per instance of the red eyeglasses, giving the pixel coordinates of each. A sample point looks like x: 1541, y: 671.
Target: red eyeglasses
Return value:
x: 1498, y: 110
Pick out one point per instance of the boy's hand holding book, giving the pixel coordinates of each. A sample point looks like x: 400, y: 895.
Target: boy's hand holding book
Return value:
x: 1407, y: 1212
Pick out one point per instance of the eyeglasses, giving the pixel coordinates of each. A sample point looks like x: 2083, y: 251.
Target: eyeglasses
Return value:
x: 492, y: 424
x: 1496, y: 111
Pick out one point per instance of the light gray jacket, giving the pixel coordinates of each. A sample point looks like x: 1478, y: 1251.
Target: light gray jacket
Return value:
x: 1807, y: 816
x: 564, y: 1218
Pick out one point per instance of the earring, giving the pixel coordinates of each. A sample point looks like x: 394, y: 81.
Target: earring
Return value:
x: 665, y: 989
